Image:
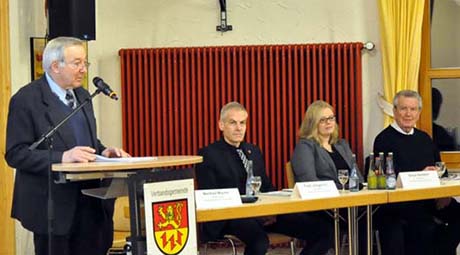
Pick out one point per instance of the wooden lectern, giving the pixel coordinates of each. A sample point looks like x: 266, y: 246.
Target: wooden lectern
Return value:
x: 130, y: 174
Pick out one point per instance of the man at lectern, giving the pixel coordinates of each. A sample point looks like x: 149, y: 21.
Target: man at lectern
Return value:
x: 224, y: 166
x: 82, y: 224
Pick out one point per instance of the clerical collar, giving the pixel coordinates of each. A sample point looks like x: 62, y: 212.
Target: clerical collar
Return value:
x: 400, y: 130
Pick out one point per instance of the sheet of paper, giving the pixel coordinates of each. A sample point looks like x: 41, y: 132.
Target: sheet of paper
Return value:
x: 278, y: 193
x: 100, y: 158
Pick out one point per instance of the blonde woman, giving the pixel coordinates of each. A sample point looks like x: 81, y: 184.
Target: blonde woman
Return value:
x: 319, y: 151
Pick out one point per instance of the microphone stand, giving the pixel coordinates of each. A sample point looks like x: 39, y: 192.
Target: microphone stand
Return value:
x: 48, y: 137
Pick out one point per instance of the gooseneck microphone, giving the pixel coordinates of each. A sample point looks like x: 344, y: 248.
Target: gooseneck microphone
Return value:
x: 104, y: 88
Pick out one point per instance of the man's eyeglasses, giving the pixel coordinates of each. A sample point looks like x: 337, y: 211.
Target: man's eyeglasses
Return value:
x: 79, y: 64
x: 327, y: 119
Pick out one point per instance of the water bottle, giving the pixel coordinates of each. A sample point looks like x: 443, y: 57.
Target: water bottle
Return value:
x: 390, y: 173
x: 353, y: 182
x: 381, y: 178
x: 250, y: 175
x: 371, y: 177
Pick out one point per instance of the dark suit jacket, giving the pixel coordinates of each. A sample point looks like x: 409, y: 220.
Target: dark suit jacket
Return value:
x: 222, y: 168
x: 310, y: 162
x: 32, y: 110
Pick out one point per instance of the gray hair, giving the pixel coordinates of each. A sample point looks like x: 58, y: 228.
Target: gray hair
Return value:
x: 54, y: 50
x: 407, y: 93
x: 230, y: 106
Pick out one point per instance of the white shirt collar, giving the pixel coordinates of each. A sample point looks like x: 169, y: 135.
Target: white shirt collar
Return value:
x: 400, y: 130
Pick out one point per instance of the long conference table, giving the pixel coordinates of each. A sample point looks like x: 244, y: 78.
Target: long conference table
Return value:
x: 272, y: 205
x: 266, y: 205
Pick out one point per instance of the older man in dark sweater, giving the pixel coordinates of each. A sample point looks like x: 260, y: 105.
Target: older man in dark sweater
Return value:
x: 419, y: 227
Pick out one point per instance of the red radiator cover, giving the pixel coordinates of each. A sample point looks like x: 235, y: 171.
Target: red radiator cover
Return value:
x: 171, y: 97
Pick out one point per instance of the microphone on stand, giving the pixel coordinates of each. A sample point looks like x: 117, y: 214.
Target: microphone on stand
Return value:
x: 104, y: 88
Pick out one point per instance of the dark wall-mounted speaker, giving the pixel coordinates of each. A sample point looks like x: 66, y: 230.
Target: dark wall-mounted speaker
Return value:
x: 76, y: 18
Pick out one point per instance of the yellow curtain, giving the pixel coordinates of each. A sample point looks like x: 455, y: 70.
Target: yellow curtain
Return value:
x: 401, y: 34
x: 7, y: 238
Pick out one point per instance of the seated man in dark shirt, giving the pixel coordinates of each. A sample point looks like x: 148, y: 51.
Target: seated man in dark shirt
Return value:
x: 223, y: 167
x: 418, y: 227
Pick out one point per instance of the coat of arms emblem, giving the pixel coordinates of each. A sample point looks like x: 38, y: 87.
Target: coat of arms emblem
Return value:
x: 170, y: 225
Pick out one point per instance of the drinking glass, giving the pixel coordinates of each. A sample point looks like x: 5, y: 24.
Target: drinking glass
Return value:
x: 343, y: 177
x: 256, y: 182
x: 440, y: 168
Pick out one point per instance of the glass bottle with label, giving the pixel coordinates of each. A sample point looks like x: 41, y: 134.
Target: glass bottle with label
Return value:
x: 353, y: 182
x: 390, y: 173
x: 381, y: 178
x: 371, y: 177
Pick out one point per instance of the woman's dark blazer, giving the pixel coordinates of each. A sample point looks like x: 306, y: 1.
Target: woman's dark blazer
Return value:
x: 311, y: 162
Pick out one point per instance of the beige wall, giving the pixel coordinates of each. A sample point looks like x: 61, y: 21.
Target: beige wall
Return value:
x: 160, y: 23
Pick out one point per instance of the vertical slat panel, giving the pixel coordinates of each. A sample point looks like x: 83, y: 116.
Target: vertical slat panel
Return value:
x: 210, y: 99
x: 351, y: 94
x: 359, y: 98
x: 169, y: 103
x: 158, y: 91
x: 172, y: 96
x: 175, y: 132
x: 315, y: 83
x: 339, y: 110
x: 135, y: 110
x: 259, y: 93
x: 277, y: 117
x: 273, y: 113
x: 193, y: 106
x: 292, y: 64
x: 164, y: 106
x: 144, y: 104
x: 265, y: 96
x: 124, y: 110
x: 346, y: 109
x: 320, y: 66
x: 199, y: 102
x: 187, y: 104
x: 296, y: 104
x: 333, y: 71
x: 182, y: 150
x: 308, y: 76
x: 221, y: 89
x: 152, y: 110
x: 283, y: 108
x: 246, y: 87
x: 207, y: 68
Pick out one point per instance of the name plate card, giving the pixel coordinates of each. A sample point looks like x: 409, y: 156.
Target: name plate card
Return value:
x: 316, y: 189
x: 217, y: 198
x: 418, y: 179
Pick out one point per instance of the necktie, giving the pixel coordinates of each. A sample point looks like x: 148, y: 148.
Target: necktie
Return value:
x: 243, y: 158
x: 70, y: 99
